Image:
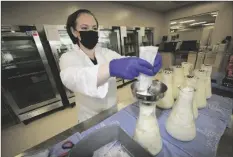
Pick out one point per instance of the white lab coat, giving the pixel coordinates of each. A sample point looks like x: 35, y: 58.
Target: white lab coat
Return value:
x: 79, y: 74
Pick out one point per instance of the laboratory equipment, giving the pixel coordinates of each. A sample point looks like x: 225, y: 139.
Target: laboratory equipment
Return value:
x: 187, y: 67
x: 191, y: 81
x: 208, y: 69
x: 201, y: 90
x: 167, y: 101
x: 129, y: 43
x: 147, y: 132
x: 180, y: 123
x: 27, y: 80
x: 178, y: 79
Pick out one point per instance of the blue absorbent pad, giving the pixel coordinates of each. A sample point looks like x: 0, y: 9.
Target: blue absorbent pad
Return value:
x: 209, y: 132
x: 210, y: 126
x: 122, y: 118
x: 219, y: 107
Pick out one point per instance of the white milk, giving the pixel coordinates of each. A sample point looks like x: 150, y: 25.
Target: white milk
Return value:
x: 187, y: 67
x: 180, y: 123
x: 191, y: 81
x: 201, y: 89
x: 147, y: 130
x: 178, y: 79
x: 208, y: 69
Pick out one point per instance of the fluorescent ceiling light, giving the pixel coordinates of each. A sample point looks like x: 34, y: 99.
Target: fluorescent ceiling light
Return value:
x: 197, y: 23
x: 175, y: 27
x: 215, y: 15
x: 172, y: 23
x: 188, y: 21
x: 208, y: 24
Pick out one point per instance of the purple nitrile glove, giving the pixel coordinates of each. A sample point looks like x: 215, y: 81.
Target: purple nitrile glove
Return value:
x: 157, y: 64
x: 130, y: 67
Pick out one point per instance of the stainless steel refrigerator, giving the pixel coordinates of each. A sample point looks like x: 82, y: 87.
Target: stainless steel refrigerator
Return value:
x: 145, y: 36
x: 59, y: 42
x: 109, y: 37
x: 27, y: 81
x: 130, y: 44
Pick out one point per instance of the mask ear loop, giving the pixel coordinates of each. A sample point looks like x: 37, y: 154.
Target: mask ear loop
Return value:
x: 72, y: 30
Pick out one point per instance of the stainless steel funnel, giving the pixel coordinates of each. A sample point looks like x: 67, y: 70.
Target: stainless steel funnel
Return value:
x: 154, y: 93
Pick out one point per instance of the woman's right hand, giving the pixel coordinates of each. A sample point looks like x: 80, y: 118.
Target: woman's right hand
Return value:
x: 130, y: 67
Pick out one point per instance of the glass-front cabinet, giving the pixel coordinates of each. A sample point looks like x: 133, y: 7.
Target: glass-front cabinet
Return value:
x: 27, y: 81
x: 109, y: 37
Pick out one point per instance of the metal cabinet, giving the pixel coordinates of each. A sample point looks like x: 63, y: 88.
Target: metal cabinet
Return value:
x: 109, y: 37
x: 27, y: 80
x: 59, y: 42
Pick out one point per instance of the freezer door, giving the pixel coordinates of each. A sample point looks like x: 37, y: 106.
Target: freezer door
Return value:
x: 26, y: 75
x: 59, y: 42
x: 109, y: 37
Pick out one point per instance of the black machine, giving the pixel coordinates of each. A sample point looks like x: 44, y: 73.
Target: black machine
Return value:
x: 189, y: 45
x: 168, y: 46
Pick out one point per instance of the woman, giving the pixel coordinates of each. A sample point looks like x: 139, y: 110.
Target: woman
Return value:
x: 89, y: 70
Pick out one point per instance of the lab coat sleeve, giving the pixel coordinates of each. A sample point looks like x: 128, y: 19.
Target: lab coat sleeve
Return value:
x: 81, y: 79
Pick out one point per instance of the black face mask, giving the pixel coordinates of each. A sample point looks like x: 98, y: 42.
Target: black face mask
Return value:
x: 89, y: 39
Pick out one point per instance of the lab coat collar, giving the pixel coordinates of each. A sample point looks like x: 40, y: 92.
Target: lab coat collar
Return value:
x: 98, y: 56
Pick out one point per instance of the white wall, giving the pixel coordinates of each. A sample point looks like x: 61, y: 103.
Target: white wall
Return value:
x: 194, y: 34
x: 20, y: 137
x: 201, y: 34
x: 107, y: 13
x: 223, y: 23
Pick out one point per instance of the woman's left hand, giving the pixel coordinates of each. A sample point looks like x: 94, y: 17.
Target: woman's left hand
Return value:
x: 157, y: 63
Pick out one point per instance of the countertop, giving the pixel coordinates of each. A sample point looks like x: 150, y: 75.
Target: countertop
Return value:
x: 224, y: 145
x: 65, y: 134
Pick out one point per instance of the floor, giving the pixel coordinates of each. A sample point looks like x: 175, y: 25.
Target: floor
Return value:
x: 40, y: 130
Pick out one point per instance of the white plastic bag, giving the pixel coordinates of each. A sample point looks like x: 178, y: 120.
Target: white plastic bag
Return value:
x: 147, y: 53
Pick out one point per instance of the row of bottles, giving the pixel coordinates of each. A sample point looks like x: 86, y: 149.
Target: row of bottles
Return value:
x: 191, y: 89
x: 185, y: 75
x: 187, y: 91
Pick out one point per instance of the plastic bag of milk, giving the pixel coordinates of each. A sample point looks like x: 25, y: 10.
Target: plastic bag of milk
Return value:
x: 147, y: 53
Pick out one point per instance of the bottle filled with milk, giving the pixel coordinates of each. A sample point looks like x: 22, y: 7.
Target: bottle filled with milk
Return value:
x: 180, y: 123
x: 147, y: 132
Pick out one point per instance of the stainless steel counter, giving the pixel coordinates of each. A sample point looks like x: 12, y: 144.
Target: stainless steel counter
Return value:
x: 65, y: 134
